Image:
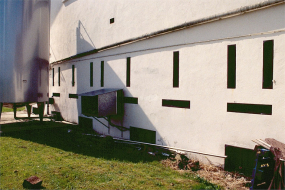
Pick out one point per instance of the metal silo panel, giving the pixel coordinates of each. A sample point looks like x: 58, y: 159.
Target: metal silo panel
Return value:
x: 24, y: 39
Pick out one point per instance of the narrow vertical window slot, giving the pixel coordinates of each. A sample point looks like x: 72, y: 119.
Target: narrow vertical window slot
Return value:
x: 176, y: 69
x: 73, y: 72
x: 58, y: 76
x: 128, y: 82
x: 52, y: 76
x: 102, y: 73
x: 91, y: 74
x: 268, y: 52
x: 231, y: 66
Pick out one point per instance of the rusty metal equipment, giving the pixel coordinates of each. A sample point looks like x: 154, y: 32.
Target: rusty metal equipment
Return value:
x: 101, y: 103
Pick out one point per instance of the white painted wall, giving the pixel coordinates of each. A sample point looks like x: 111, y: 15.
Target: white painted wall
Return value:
x: 81, y: 25
x: 206, y: 126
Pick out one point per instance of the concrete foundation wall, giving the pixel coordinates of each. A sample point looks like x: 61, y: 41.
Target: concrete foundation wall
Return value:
x: 206, y: 126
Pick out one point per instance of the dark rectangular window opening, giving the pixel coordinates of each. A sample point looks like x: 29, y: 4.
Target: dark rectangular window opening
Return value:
x: 240, y: 160
x: 176, y: 103
x: 51, y: 101
x: 142, y: 135
x: 58, y: 76
x: 130, y: 100
x: 89, y: 105
x: 102, y: 73
x: 112, y: 20
x: 176, y: 69
x: 128, y: 82
x: 250, y: 108
x: 56, y: 94
x: 268, y: 51
x: 91, y: 74
x: 73, y: 96
x: 73, y: 70
x: 231, y: 66
x: 52, y: 76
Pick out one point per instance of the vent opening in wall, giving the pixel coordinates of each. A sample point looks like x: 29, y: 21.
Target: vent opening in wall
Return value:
x: 52, y: 76
x: 176, y: 69
x: 130, y: 100
x: 176, y: 103
x: 91, y: 74
x: 112, y: 20
x: 51, y: 101
x: 73, y: 96
x: 55, y: 94
x: 142, y: 135
x: 58, y: 76
x: 250, y: 108
x: 102, y: 73
x: 128, y: 79
x: 268, y: 52
x: 238, y: 159
x: 73, y: 77
x: 231, y: 66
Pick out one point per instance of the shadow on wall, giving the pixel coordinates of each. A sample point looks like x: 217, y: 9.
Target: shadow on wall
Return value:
x: 115, y: 72
x: 37, y: 70
x: 68, y: 2
x: 56, y: 6
x: 83, y: 41
x: 133, y: 115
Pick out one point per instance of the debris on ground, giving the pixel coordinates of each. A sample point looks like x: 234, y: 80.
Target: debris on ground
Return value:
x: 32, y: 182
x: 213, y: 174
x: 276, y: 170
x: 165, y: 154
x: 151, y: 153
x: 178, y: 161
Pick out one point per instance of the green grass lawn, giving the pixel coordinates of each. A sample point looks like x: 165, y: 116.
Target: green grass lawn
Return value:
x: 66, y: 160
x: 4, y: 109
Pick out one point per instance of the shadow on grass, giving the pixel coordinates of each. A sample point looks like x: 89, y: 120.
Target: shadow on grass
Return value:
x: 70, y: 138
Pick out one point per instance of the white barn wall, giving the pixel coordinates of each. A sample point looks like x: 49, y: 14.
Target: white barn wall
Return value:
x: 82, y: 25
x: 206, y: 126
